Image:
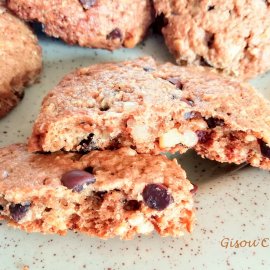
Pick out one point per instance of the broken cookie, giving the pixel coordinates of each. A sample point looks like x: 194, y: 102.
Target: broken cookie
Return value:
x: 103, y: 193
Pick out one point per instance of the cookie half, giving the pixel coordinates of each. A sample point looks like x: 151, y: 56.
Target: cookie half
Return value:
x: 155, y: 108
x: 231, y: 36
x: 104, y: 193
x: 20, y: 59
x: 92, y: 23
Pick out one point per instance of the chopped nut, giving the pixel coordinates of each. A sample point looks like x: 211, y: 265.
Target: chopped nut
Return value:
x: 173, y: 137
x: 170, y: 139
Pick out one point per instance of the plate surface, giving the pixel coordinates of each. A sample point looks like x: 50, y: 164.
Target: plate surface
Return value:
x: 232, y: 204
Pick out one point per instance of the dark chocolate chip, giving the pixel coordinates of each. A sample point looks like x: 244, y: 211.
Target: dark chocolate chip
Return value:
x: 89, y: 169
x: 156, y: 196
x: 265, y: 149
x: 18, y: 211
x: 87, y: 3
x: 148, y: 69
x: 188, y: 101
x: 114, y: 34
x: 1, y: 208
x: 100, y: 194
x: 192, y: 115
x: 88, y: 144
x: 203, y: 136
x: 210, y: 7
x: 132, y: 205
x: 194, y: 190
x: 214, y: 122
x: 176, y: 82
x: 77, y: 179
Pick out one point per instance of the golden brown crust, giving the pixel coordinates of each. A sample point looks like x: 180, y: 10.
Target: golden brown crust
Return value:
x: 154, y: 108
x: 232, y: 36
x: 100, y: 208
x: 20, y: 59
x: 103, y: 24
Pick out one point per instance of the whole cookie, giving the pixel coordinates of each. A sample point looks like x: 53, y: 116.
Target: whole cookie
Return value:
x: 20, y: 59
x: 92, y: 23
x: 155, y: 108
x: 232, y: 36
x: 103, y: 193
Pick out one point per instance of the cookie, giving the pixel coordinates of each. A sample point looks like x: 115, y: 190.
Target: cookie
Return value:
x: 231, y: 36
x: 155, y: 108
x: 20, y: 59
x: 103, y: 193
x: 92, y: 23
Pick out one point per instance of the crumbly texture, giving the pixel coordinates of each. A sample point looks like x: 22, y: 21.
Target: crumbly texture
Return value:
x: 232, y: 36
x: 154, y: 108
x: 100, y: 209
x: 20, y: 59
x: 92, y: 23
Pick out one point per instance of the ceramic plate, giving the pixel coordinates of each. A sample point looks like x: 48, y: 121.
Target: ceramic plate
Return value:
x: 233, y: 207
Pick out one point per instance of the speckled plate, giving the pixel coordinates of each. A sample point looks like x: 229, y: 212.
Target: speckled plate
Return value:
x: 233, y: 207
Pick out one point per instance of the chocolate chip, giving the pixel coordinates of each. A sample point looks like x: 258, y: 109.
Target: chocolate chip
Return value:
x: 148, y: 69
x: 18, y: 211
x: 101, y: 194
x: 1, y: 208
x: 203, y: 136
x: 210, y: 8
x: 87, y: 3
x: 188, y: 101
x: 194, y: 190
x: 176, y: 82
x: 88, y: 144
x: 132, y: 205
x: 156, y: 196
x: 192, y: 115
x: 265, y: 149
x: 77, y: 179
x: 214, y: 122
x: 114, y: 34
x: 89, y: 169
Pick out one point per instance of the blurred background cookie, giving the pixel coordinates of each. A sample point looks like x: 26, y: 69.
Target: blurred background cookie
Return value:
x: 231, y: 36
x: 20, y: 59
x: 91, y: 23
